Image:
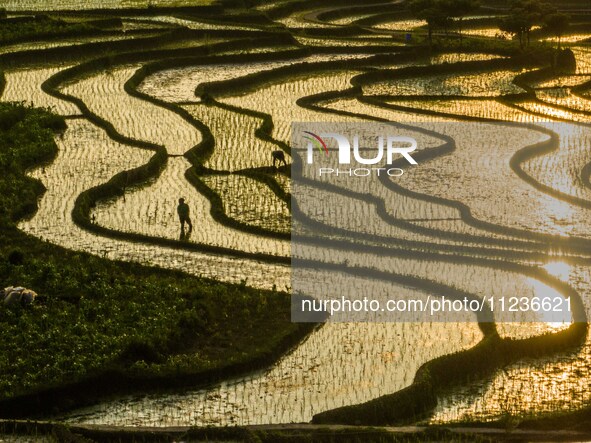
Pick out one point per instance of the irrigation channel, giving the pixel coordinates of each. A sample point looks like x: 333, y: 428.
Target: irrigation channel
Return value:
x: 208, y: 100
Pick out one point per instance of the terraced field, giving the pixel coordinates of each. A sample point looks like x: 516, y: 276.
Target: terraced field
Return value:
x: 498, y: 206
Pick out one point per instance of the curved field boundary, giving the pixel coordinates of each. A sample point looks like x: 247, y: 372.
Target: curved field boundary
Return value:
x: 116, y: 186
x: 423, y: 391
x: 251, y: 18
x: 386, y: 251
x: 524, y: 254
x: 265, y: 176
x: 525, y: 79
x: 420, y: 398
x: 427, y: 400
x: 579, y: 313
x: 291, y: 7
x: 540, y: 149
x: 158, y: 10
x: 530, y: 152
x: 554, y: 242
x: 200, y: 153
x: 580, y: 91
x: 445, y: 68
x: 338, y: 13
x: 136, y: 47
x: 257, y: 79
x: 435, y: 376
x: 97, y: 32
x: 252, y: 81
x: 586, y: 175
x: 117, y: 382
x: 546, y: 240
x: 390, y: 16
x: 575, y: 244
x: 219, y: 215
x: 264, y: 132
x: 482, y: 360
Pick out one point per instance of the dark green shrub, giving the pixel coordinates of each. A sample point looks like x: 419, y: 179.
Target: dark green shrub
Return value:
x: 16, y: 257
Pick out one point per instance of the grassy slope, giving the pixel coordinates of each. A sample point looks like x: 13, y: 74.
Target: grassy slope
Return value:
x: 96, y: 315
x: 41, y: 27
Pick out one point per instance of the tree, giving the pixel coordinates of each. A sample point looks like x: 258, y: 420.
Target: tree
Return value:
x: 523, y: 16
x: 557, y: 24
x: 460, y: 9
x: 515, y: 25
x: 434, y: 12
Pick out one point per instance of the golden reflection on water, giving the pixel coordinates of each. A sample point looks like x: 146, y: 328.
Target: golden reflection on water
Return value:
x: 558, y: 269
x: 557, y: 319
x: 545, y: 311
x: 560, y: 214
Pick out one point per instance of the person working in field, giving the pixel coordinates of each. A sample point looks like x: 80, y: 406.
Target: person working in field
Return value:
x: 183, y: 211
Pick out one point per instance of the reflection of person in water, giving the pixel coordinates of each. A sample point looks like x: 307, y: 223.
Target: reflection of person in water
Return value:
x: 183, y: 211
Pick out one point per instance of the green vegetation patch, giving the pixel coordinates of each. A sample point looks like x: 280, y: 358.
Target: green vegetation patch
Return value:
x: 93, y: 317
x: 41, y: 27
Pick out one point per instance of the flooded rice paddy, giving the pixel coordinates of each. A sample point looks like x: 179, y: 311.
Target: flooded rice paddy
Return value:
x: 489, y: 217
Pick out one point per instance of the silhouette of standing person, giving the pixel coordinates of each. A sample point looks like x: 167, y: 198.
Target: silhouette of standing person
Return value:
x: 183, y: 211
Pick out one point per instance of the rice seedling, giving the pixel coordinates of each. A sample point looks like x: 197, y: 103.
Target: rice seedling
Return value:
x: 549, y: 112
x: 151, y: 210
x: 104, y: 95
x: 348, y: 42
x: 561, y: 169
x: 564, y: 98
x: 178, y: 84
x: 45, y: 5
x: 279, y: 99
x: 402, y: 25
x: 236, y: 146
x: 483, y: 84
x: 562, y: 81
x: 24, y: 85
x: 86, y: 158
x: 73, y: 41
x: 250, y: 202
x: 575, y: 38
x: 340, y: 364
